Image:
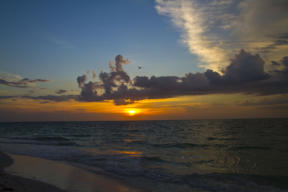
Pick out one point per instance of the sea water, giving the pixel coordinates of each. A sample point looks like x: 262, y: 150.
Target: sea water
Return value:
x: 192, y: 155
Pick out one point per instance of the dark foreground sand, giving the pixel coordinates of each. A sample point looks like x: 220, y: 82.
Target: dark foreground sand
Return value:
x: 19, y: 184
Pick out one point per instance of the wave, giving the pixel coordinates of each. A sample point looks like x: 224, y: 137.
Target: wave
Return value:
x: 228, y: 182
x: 39, y: 140
x: 250, y: 148
x: 170, y: 145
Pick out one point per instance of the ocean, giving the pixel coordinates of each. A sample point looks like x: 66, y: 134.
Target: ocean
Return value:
x: 184, y: 155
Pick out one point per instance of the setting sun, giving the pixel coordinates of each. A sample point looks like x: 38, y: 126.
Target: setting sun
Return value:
x: 132, y: 112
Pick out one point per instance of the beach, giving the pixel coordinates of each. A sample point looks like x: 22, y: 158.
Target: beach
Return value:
x: 19, y: 184
x: 47, y: 175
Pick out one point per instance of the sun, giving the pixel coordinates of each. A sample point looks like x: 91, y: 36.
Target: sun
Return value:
x: 132, y: 111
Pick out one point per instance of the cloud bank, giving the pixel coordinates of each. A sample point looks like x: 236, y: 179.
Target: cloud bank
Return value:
x: 245, y: 74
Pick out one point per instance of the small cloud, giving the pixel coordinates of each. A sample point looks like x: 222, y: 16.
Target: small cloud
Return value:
x: 81, y: 80
x: 62, y: 43
x: 44, y: 98
x: 61, y: 91
x: 44, y: 102
x: 13, y: 80
x: 53, y: 98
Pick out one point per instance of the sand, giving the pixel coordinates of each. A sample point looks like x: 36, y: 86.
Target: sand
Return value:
x: 59, y: 174
x: 13, y: 183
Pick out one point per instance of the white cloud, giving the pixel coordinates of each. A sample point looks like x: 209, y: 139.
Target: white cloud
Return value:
x: 188, y: 16
x: 10, y: 77
x: 215, y: 30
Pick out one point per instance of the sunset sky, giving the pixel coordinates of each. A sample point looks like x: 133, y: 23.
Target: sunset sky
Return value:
x: 76, y: 60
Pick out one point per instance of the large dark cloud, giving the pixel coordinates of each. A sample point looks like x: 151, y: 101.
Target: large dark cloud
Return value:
x: 245, y: 74
x: 244, y: 68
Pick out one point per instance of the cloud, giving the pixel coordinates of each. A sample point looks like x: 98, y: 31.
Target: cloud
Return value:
x: 117, y: 85
x: 119, y: 61
x: 7, y: 97
x: 108, y: 82
x: 94, y: 75
x: 281, y: 66
x: 81, y: 80
x: 279, y: 100
x: 256, y: 17
x: 52, y: 98
x: 245, y: 74
x: 13, y: 80
x: 61, y: 91
x: 264, y: 22
x: 62, y: 43
x: 215, y: 30
x: 191, y: 19
x: 171, y: 85
x: 244, y: 67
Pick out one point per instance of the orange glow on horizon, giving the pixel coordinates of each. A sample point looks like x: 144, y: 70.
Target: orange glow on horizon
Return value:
x: 187, y: 107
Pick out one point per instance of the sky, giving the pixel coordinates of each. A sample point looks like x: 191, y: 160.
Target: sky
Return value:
x: 115, y: 60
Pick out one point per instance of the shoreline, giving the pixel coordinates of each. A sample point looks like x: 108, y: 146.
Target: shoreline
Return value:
x: 37, y: 174
x: 32, y: 174
x: 14, y: 183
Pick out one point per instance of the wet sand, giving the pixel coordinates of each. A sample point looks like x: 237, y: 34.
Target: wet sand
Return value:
x: 11, y: 183
x: 63, y: 176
